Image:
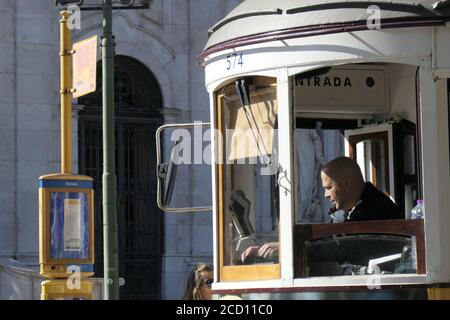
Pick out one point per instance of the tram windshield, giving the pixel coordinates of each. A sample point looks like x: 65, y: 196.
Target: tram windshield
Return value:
x: 356, y: 121
x: 350, y: 249
x: 311, y: 205
x: 360, y: 255
x: 248, y: 121
x: 384, y: 144
x: 318, y: 142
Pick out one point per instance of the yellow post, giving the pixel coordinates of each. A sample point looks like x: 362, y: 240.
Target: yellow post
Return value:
x: 439, y: 294
x: 66, y: 94
x: 67, y: 289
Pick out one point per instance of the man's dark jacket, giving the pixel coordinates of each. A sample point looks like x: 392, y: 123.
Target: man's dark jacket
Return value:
x: 374, y: 205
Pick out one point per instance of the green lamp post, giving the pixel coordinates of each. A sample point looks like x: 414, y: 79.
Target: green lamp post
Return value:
x: 110, y: 235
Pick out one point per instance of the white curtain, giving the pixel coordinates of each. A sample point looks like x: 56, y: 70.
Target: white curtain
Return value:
x: 314, y: 148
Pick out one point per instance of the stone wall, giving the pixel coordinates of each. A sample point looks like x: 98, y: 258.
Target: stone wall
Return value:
x: 167, y: 39
x: 8, y: 119
x: 21, y: 282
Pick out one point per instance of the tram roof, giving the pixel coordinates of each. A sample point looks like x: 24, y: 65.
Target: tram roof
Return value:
x: 256, y: 21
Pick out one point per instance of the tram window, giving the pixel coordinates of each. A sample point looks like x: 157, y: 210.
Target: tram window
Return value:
x: 314, y: 148
x: 364, y: 247
x: 360, y: 255
x: 371, y: 153
x: 386, y: 155
x: 248, y: 196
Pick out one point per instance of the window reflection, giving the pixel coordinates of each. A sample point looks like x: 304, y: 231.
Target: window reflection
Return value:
x: 373, y: 161
x: 361, y: 255
x: 250, y: 205
x: 314, y: 148
x: 355, y: 248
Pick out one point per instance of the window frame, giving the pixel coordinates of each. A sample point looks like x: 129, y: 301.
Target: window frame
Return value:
x: 399, y: 227
x: 240, y: 272
x: 288, y: 281
x: 307, y: 232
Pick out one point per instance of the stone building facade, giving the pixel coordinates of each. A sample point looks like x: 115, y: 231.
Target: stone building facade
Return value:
x: 166, y: 41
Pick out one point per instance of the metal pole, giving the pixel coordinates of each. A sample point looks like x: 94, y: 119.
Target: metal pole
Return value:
x: 66, y: 93
x: 110, y: 241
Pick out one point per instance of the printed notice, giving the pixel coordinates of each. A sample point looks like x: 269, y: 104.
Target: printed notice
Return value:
x: 72, y: 226
x: 84, y: 66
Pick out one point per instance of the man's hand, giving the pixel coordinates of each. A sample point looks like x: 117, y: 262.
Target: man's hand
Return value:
x: 250, y: 252
x: 267, y: 251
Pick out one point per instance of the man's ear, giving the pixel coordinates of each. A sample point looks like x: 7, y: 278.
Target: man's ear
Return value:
x: 346, y: 183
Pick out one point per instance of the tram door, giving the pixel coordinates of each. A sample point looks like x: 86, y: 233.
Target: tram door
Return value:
x: 386, y: 154
x: 140, y: 222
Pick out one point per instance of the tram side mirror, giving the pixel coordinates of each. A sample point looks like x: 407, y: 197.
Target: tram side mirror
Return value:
x: 168, y: 171
x: 240, y: 210
x: 178, y: 153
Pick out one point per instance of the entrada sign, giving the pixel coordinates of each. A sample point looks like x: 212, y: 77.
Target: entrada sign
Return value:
x: 323, y: 82
x: 361, y: 89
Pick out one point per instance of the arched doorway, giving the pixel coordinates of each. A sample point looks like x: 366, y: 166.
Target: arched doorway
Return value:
x: 138, y: 101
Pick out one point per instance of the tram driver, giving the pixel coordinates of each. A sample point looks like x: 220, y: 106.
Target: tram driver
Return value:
x: 345, y: 188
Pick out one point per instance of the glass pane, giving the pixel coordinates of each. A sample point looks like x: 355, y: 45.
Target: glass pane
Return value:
x: 410, y: 172
x: 185, y: 153
x: 250, y: 195
x: 250, y: 127
x: 360, y: 255
x: 314, y: 148
x: 372, y: 160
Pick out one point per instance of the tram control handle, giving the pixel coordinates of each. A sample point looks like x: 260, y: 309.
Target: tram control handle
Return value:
x: 240, y: 210
x: 373, y: 264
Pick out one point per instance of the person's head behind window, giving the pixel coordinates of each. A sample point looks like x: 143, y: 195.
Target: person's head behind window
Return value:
x: 198, y: 286
x: 343, y: 182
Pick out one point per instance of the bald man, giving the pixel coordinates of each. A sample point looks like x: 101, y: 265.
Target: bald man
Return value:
x: 344, y: 186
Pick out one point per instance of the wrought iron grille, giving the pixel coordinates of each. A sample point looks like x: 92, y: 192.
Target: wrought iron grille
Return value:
x: 140, y: 222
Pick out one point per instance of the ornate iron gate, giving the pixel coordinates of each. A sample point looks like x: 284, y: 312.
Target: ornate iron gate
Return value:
x: 140, y: 222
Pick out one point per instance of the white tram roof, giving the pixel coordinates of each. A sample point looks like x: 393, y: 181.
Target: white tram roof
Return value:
x: 256, y: 21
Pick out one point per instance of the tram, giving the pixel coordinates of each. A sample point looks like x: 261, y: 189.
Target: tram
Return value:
x: 295, y: 84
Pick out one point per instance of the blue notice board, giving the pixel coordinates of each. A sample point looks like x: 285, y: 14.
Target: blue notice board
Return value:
x: 69, y: 225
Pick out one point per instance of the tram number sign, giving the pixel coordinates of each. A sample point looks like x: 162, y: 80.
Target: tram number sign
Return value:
x: 234, y: 60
